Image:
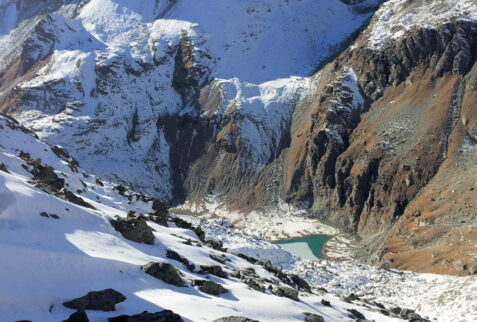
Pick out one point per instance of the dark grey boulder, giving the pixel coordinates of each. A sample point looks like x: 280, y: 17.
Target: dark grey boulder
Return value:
x: 326, y: 303
x: 300, y: 282
x: 235, y: 319
x: 213, y: 270
x: 165, y: 272
x: 134, y: 228
x: 216, y: 244
x: 384, y: 312
x: 175, y: 256
x: 283, y: 291
x: 67, y: 195
x: 181, y: 223
x: 396, y: 310
x: 414, y: 317
x: 277, y: 272
x: 247, y: 258
x: 219, y: 258
x: 161, y: 213
x: 78, y: 316
x: 356, y: 314
x: 405, y: 312
x: 45, y: 175
x: 162, y: 316
x: 209, y: 287
x: 161, y: 220
x: 312, y: 317
x: 255, y: 284
x: 3, y: 167
x: 104, y: 300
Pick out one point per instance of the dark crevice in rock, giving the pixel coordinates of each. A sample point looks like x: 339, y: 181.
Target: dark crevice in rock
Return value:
x: 453, y: 116
x: 131, y: 135
x: 188, y: 139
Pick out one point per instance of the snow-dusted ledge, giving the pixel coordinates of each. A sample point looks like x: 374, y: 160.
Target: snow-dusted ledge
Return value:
x: 275, y: 223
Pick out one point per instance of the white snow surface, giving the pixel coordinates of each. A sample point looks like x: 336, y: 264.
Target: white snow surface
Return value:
x: 395, y: 17
x: 282, y: 221
x: 47, y: 261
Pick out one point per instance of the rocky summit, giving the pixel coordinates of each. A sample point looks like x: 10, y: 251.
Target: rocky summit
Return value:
x: 151, y: 151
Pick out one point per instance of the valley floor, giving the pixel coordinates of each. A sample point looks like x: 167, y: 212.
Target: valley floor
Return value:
x: 437, y: 297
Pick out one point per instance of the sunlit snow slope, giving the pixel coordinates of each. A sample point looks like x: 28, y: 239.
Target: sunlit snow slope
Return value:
x: 47, y: 260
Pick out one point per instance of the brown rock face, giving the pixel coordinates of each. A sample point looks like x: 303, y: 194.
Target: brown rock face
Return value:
x: 361, y: 152
x: 369, y: 173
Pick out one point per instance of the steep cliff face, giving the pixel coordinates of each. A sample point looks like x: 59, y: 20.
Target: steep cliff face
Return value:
x: 372, y: 174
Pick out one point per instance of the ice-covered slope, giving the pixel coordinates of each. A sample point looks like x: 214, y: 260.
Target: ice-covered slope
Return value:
x: 111, y: 74
x: 53, y: 251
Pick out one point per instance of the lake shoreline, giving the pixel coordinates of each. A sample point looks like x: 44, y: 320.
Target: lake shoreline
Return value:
x: 310, y: 247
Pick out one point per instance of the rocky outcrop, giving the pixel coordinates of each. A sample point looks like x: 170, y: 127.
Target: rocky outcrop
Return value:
x: 134, y: 228
x: 163, y: 316
x: 104, y: 300
x: 78, y: 316
x: 364, y: 173
x: 165, y: 272
x: 234, y: 319
x: 312, y: 317
x: 213, y: 270
x: 209, y: 287
x: 285, y: 292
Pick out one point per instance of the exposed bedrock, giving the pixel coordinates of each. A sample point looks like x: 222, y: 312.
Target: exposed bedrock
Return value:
x: 365, y: 171
x: 362, y: 148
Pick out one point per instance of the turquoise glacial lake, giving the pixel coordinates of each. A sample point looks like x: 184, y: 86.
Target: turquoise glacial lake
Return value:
x: 306, y: 247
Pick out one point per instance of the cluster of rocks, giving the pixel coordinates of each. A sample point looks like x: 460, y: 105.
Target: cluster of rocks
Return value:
x: 106, y: 300
x: 46, y: 215
x: 134, y: 227
x: 292, y: 280
x: 397, y: 312
x: 46, y: 179
x: 407, y: 314
x: 169, y: 274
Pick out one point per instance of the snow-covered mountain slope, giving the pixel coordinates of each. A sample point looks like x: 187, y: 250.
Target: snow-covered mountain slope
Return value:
x: 54, y: 250
x: 219, y: 104
x: 112, y: 74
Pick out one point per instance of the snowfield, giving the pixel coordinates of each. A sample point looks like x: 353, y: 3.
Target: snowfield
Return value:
x: 47, y: 261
